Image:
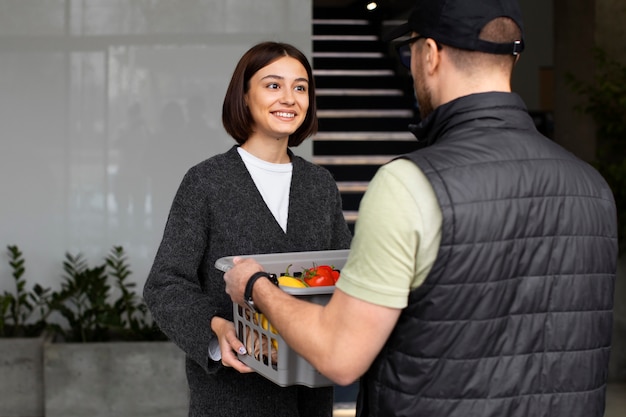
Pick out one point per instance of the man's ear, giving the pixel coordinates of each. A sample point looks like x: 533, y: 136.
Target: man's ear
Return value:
x: 433, y: 55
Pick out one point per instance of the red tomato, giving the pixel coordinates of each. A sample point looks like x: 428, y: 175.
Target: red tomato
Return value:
x: 324, y: 270
x: 319, y: 276
x: 319, y: 281
x: 327, y: 269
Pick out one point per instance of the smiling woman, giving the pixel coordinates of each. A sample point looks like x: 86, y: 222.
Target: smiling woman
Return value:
x: 237, y: 117
x: 278, y: 101
x: 255, y: 198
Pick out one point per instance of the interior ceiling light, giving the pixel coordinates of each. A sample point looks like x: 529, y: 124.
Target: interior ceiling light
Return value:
x: 371, y: 5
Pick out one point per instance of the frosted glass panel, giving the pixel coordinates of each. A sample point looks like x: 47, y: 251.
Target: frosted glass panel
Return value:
x: 32, y: 17
x: 104, y: 105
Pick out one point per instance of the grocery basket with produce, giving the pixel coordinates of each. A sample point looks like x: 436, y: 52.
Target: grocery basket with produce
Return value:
x: 304, y: 275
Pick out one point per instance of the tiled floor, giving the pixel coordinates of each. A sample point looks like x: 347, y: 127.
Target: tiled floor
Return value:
x: 615, y: 403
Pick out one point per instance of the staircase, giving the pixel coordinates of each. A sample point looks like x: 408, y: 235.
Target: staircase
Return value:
x: 365, y: 101
x: 364, y: 107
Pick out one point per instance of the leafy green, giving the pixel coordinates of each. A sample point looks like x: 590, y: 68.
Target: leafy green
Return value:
x: 25, y: 312
x: 88, y: 304
x: 94, y: 304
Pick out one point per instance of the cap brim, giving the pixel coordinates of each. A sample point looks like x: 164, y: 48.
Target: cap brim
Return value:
x: 396, y: 32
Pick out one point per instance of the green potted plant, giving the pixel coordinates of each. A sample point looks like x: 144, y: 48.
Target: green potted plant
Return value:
x: 23, y: 321
x: 87, y: 302
x: 605, y: 102
x: 24, y: 313
x: 107, y: 351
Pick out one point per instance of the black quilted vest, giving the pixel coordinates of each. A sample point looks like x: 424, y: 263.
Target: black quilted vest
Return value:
x: 515, y: 318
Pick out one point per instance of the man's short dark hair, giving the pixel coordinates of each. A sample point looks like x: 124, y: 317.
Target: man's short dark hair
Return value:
x: 500, y: 30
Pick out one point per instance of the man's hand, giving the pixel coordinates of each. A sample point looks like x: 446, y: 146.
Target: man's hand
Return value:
x: 329, y: 337
x: 237, y: 277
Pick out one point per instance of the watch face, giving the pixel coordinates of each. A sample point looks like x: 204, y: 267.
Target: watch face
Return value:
x: 250, y: 305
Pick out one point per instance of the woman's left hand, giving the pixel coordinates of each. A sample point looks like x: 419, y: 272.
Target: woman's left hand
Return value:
x: 229, y: 344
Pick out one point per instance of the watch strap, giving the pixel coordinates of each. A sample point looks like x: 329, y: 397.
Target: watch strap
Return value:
x: 247, y: 295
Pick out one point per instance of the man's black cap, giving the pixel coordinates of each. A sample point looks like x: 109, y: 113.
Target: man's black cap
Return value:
x: 458, y: 23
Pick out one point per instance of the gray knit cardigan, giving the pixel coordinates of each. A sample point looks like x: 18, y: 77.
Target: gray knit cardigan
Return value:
x: 218, y: 211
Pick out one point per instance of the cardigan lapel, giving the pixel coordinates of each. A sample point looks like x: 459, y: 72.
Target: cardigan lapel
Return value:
x: 248, y: 188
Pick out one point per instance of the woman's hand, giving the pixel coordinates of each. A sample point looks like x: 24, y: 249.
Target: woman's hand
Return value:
x: 229, y: 344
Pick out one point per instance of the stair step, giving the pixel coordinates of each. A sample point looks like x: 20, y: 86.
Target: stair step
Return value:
x: 362, y: 98
x: 364, y: 136
x: 325, y: 81
x: 352, y: 172
x: 350, y: 215
x: 353, y: 72
x: 368, y: 113
x: 348, y: 55
x: 358, y: 44
x: 363, y: 102
x: 369, y: 124
x: 352, y: 186
x: 362, y: 147
x: 340, y: 22
x: 352, y: 160
x: 357, y: 92
x: 351, y: 201
x: 352, y: 62
x: 345, y: 38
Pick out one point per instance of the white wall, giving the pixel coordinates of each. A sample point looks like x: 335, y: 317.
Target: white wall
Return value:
x: 73, y: 176
x: 94, y: 101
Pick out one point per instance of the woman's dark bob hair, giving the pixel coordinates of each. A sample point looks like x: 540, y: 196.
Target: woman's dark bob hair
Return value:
x: 236, y: 117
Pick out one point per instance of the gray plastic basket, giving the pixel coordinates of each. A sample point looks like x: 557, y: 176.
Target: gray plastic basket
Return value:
x: 289, y: 367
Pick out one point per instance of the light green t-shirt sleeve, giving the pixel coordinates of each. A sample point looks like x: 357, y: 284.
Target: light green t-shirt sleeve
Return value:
x: 396, y: 237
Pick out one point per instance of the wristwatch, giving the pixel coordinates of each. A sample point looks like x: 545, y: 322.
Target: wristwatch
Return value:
x: 247, y: 294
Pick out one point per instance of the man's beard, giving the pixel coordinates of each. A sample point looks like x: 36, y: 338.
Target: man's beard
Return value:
x: 424, y: 97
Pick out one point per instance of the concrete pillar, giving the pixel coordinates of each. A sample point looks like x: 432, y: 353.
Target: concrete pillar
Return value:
x: 574, y: 38
x: 580, y: 26
x: 610, y: 32
x: 610, y: 35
